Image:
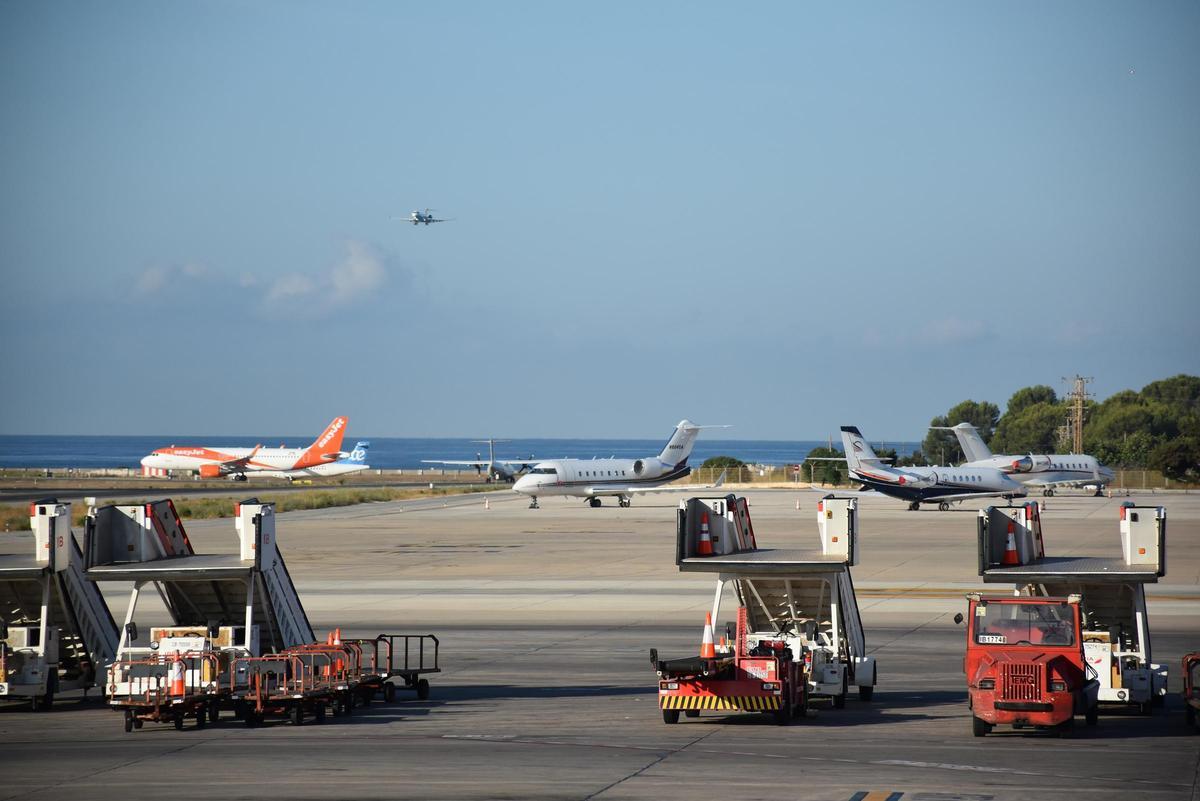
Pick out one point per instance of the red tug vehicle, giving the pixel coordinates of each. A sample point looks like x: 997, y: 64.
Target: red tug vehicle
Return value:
x: 1025, y: 663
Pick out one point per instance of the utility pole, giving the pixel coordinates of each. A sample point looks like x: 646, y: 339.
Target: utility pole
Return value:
x: 1078, y: 397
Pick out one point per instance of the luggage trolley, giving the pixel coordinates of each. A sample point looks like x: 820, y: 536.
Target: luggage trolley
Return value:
x: 407, y: 657
x: 165, y: 688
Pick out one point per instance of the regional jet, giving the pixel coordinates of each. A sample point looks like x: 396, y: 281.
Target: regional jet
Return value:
x: 497, y: 469
x: 592, y: 479
x: 237, y: 463
x: 918, y: 485
x: 1048, y: 470
x: 417, y: 218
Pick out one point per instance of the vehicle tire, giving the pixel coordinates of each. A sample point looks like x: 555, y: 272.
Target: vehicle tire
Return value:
x: 298, y: 715
x: 423, y: 689
x: 594, y: 503
x: 670, y: 715
x: 128, y: 720
x: 980, y: 727
x: 692, y: 713
x: 214, y: 712
x: 201, y: 717
x: 319, y: 713
x: 35, y: 703
x: 783, y: 715
x: 250, y: 718
x: 177, y: 721
x: 943, y: 507
x: 866, y: 693
x: 1092, y: 716
x: 1066, y: 729
x: 138, y: 723
x: 389, y: 692
x: 914, y: 506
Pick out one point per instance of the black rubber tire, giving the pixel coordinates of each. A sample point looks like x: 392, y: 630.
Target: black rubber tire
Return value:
x: 1092, y: 716
x: 319, y: 713
x: 866, y: 693
x: 128, y: 720
x: 138, y: 723
x: 177, y: 721
x: 691, y: 713
x: 297, y: 715
x: 1066, y: 729
x: 389, y: 692
x: 979, y: 727
x: 423, y: 689
x: 202, y: 716
x: 783, y: 715
x: 214, y: 711
x: 594, y: 503
x: 839, y: 700
x: 250, y: 718
x: 670, y: 716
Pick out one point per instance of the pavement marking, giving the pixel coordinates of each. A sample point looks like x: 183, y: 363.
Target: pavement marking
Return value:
x: 876, y: 795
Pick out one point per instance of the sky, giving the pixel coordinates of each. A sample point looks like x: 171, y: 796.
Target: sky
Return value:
x: 787, y: 217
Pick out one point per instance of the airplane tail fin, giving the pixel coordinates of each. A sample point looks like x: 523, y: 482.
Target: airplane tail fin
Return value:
x: 358, y: 455
x: 971, y: 443
x: 858, y: 452
x: 326, y: 447
x: 679, y: 446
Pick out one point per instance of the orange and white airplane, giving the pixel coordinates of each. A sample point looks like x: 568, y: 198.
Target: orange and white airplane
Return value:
x: 323, y: 458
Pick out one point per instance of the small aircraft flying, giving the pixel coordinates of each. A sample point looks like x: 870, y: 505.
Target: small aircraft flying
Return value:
x: 417, y: 218
x: 1047, y: 470
x: 497, y: 469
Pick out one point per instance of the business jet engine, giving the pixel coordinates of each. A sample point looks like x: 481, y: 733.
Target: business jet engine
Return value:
x: 1030, y: 464
x: 648, y: 468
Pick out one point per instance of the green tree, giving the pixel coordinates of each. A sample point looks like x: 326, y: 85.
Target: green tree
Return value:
x: 1178, y: 459
x: 1024, y: 398
x: 943, y: 445
x: 722, y: 462
x: 1031, y: 430
x: 829, y: 470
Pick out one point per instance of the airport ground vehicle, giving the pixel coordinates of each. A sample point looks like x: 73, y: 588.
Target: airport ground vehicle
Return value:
x: 1191, y: 689
x: 1024, y: 663
x: 240, y: 639
x: 1115, y: 625
x: 796, y: 607
x: 56, y: 631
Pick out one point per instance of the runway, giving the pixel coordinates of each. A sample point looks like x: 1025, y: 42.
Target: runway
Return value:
x: 546, y: 618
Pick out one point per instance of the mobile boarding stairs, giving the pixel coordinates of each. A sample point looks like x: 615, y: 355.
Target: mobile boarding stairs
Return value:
x: 1116, y: 628
x: 804, y: 598
x: 56, y: 632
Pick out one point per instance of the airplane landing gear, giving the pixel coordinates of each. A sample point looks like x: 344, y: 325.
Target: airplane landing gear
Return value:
x: 1048, y: 492
x: 594, y: 503
x: 624, y: 501
x: 533, y: 504
x: 914, y: 506
x: 943, y: 507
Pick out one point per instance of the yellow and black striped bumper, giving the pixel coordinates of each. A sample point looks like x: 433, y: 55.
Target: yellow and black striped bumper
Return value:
x: 753, y: 703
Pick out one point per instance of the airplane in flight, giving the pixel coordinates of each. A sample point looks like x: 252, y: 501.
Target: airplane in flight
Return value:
x: 593, y: 479
x: 497, y: 469
x: 237, y: 463
x: 918, y: 485
x: 417, y: 218
x: 1047, y: 471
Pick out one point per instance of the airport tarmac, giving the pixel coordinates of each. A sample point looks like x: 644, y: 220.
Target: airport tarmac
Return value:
x: 546, y: 618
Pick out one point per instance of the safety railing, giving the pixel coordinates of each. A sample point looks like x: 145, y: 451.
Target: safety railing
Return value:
x: 406, y: 653
x: 162, y: 677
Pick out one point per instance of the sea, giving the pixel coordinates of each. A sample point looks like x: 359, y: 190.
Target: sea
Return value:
x: 389, y: 453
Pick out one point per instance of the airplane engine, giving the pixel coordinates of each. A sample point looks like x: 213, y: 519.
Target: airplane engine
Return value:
x: 648, y: 468
x: 210, y: 471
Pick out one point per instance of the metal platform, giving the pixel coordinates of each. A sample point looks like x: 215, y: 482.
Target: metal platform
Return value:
x: 766, y: 561
x: 199, y: 567
x: 1093, y: 569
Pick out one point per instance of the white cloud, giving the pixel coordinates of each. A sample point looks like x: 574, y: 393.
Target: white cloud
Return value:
x: 290, y: 287
x: 151, y: 281
x: 360, y: 273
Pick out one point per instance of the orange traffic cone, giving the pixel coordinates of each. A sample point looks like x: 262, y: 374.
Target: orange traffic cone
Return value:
x: 337, y: 636
x: 1010, y: 548
x: 175, y: 677
x: 707, y: 651
x: 704, y: 547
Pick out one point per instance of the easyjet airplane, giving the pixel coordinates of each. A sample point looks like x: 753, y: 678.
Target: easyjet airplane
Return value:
x: 323, y: 458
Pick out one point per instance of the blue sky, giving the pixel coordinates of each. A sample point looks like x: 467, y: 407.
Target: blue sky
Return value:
x: 788, y: 218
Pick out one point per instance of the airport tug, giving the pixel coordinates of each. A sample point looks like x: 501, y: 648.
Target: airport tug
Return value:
x: 798, y: 635
x: 1112, y: 590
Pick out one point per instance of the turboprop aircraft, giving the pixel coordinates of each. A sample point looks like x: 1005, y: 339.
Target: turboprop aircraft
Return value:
x: 1047, y: 470
x: 497, y: 469
x: 623, y: 478
x: 918, y: 485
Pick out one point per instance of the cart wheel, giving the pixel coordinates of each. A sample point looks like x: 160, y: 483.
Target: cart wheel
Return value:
x: 138, y: 723
x: 692, y: 713
x: 201, y: 716
x: 214, y: 711
x: 1092, y: 716
x: 298, y: 715
x: 319, y: 713
x: 389, y: 692
x: 670, y: 715
x: 423, y: 689
x: 250, y: 719
x: 980, y: 727
x: 177, y: 719
x: 128, y: 720
x: 866, y: 693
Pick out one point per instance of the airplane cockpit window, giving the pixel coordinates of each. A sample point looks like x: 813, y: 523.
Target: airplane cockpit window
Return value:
x: 544, y: 471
